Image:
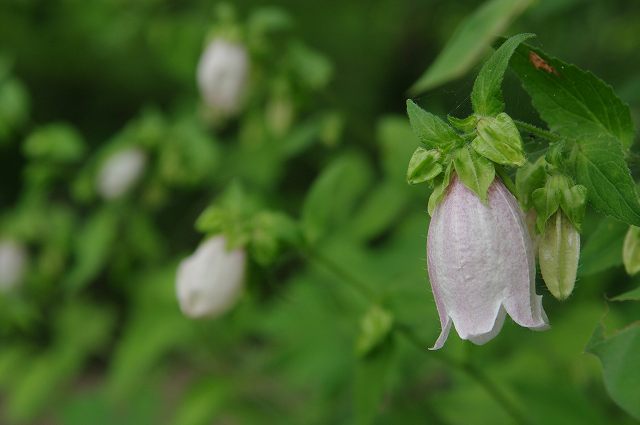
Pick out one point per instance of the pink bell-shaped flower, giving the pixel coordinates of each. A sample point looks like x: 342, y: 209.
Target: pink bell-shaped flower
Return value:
x: 481, y: 264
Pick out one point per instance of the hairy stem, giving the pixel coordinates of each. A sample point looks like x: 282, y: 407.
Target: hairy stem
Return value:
x: 537, y: 131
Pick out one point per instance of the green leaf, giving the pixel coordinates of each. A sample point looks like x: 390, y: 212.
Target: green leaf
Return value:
x: 486, y: 96
x: 371, y: 382
x: 423, y: 166
x: 619, y: 357
x: 431, y: 130
x: 466, y: 125
x: 469, y: 42
x: 440, y: 189
x: 499, y: 140
x: 396, y: 142
x: 55, y: 142
x: 14, y: 107
x: 375, y: 327
x: 603, y: 248
x: 270, y: 230
x: 601, y: 168
x: 530, y: 177
x: 94, y: 244
x: 547, y: 201
x: 474, y: 171
x: 574, y: 103
x: 334, y: 194
x: 202, y: 403
x: 380, y: 210
x: 633, y: 295
x: 572, y: 201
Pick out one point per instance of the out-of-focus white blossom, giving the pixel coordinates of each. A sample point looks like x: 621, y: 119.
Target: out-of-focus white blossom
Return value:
x: 222, y: 75
x: 13, y: 259
x: 120, y: 172
x: 210, y: 281
x: 481, y: 264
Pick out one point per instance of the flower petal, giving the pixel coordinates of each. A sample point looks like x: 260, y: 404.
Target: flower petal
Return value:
x: 481, y: 264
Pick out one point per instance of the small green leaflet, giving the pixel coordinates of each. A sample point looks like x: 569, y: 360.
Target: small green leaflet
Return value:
x: 468, y: 43
x: 486, y: 96
x: 474, y: 171
x: 575, y: 103
x: 547, y: 201
x: 440, y: 189
x: 431, y: 130
x: 499, y: 140
x: 601, y: 168
x: 423, y: 166
x: 633, y: 295
x: 573, y: 202
x: 619, y: 357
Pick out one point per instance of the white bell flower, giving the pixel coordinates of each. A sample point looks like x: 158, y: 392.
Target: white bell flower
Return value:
x: 481, y: 264
x: 120, y: 172
x: 222, y: 75
x: 13, y: 259
x: 210, y: 281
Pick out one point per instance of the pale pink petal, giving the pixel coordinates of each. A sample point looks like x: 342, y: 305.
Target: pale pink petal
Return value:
x: 481, y: 264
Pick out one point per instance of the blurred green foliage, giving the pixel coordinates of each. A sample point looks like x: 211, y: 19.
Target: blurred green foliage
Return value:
x: 94, y: 334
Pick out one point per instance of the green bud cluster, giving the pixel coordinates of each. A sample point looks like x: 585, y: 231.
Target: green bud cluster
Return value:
x: 469, y: 146
x: 559, y: 207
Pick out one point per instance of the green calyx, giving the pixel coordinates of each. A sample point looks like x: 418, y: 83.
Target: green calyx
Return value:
x: 424, y: 165
x: 498, y: 140
x: 245, y: 223
x: 471, y: 146
x: 559, y: 193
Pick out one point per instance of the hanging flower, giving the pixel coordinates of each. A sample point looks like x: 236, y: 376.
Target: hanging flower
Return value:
x: 13, y: 258
x: 222, y: 75
x: 481, y: 264
x: 210, y: 281
x: 120, y: 172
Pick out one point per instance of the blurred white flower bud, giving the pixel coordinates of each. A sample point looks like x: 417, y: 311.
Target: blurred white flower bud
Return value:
x: 120, y: 172
x: 222, y: 75
x: 13, y: 258
x: 210, y: 281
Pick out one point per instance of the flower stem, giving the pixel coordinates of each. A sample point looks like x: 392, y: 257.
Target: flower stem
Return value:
x: 407, y: 332
x: 472, y: 372
x: 355, y: 283
x: 537, y: 131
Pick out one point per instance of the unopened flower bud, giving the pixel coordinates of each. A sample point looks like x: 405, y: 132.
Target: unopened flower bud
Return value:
x: 481, y: 264
x: 222, y: 75
x: 210, y: 281
x: 120, y: 172
x: 631, y: 251
x: 13, y: 258
x: 558, y: 254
